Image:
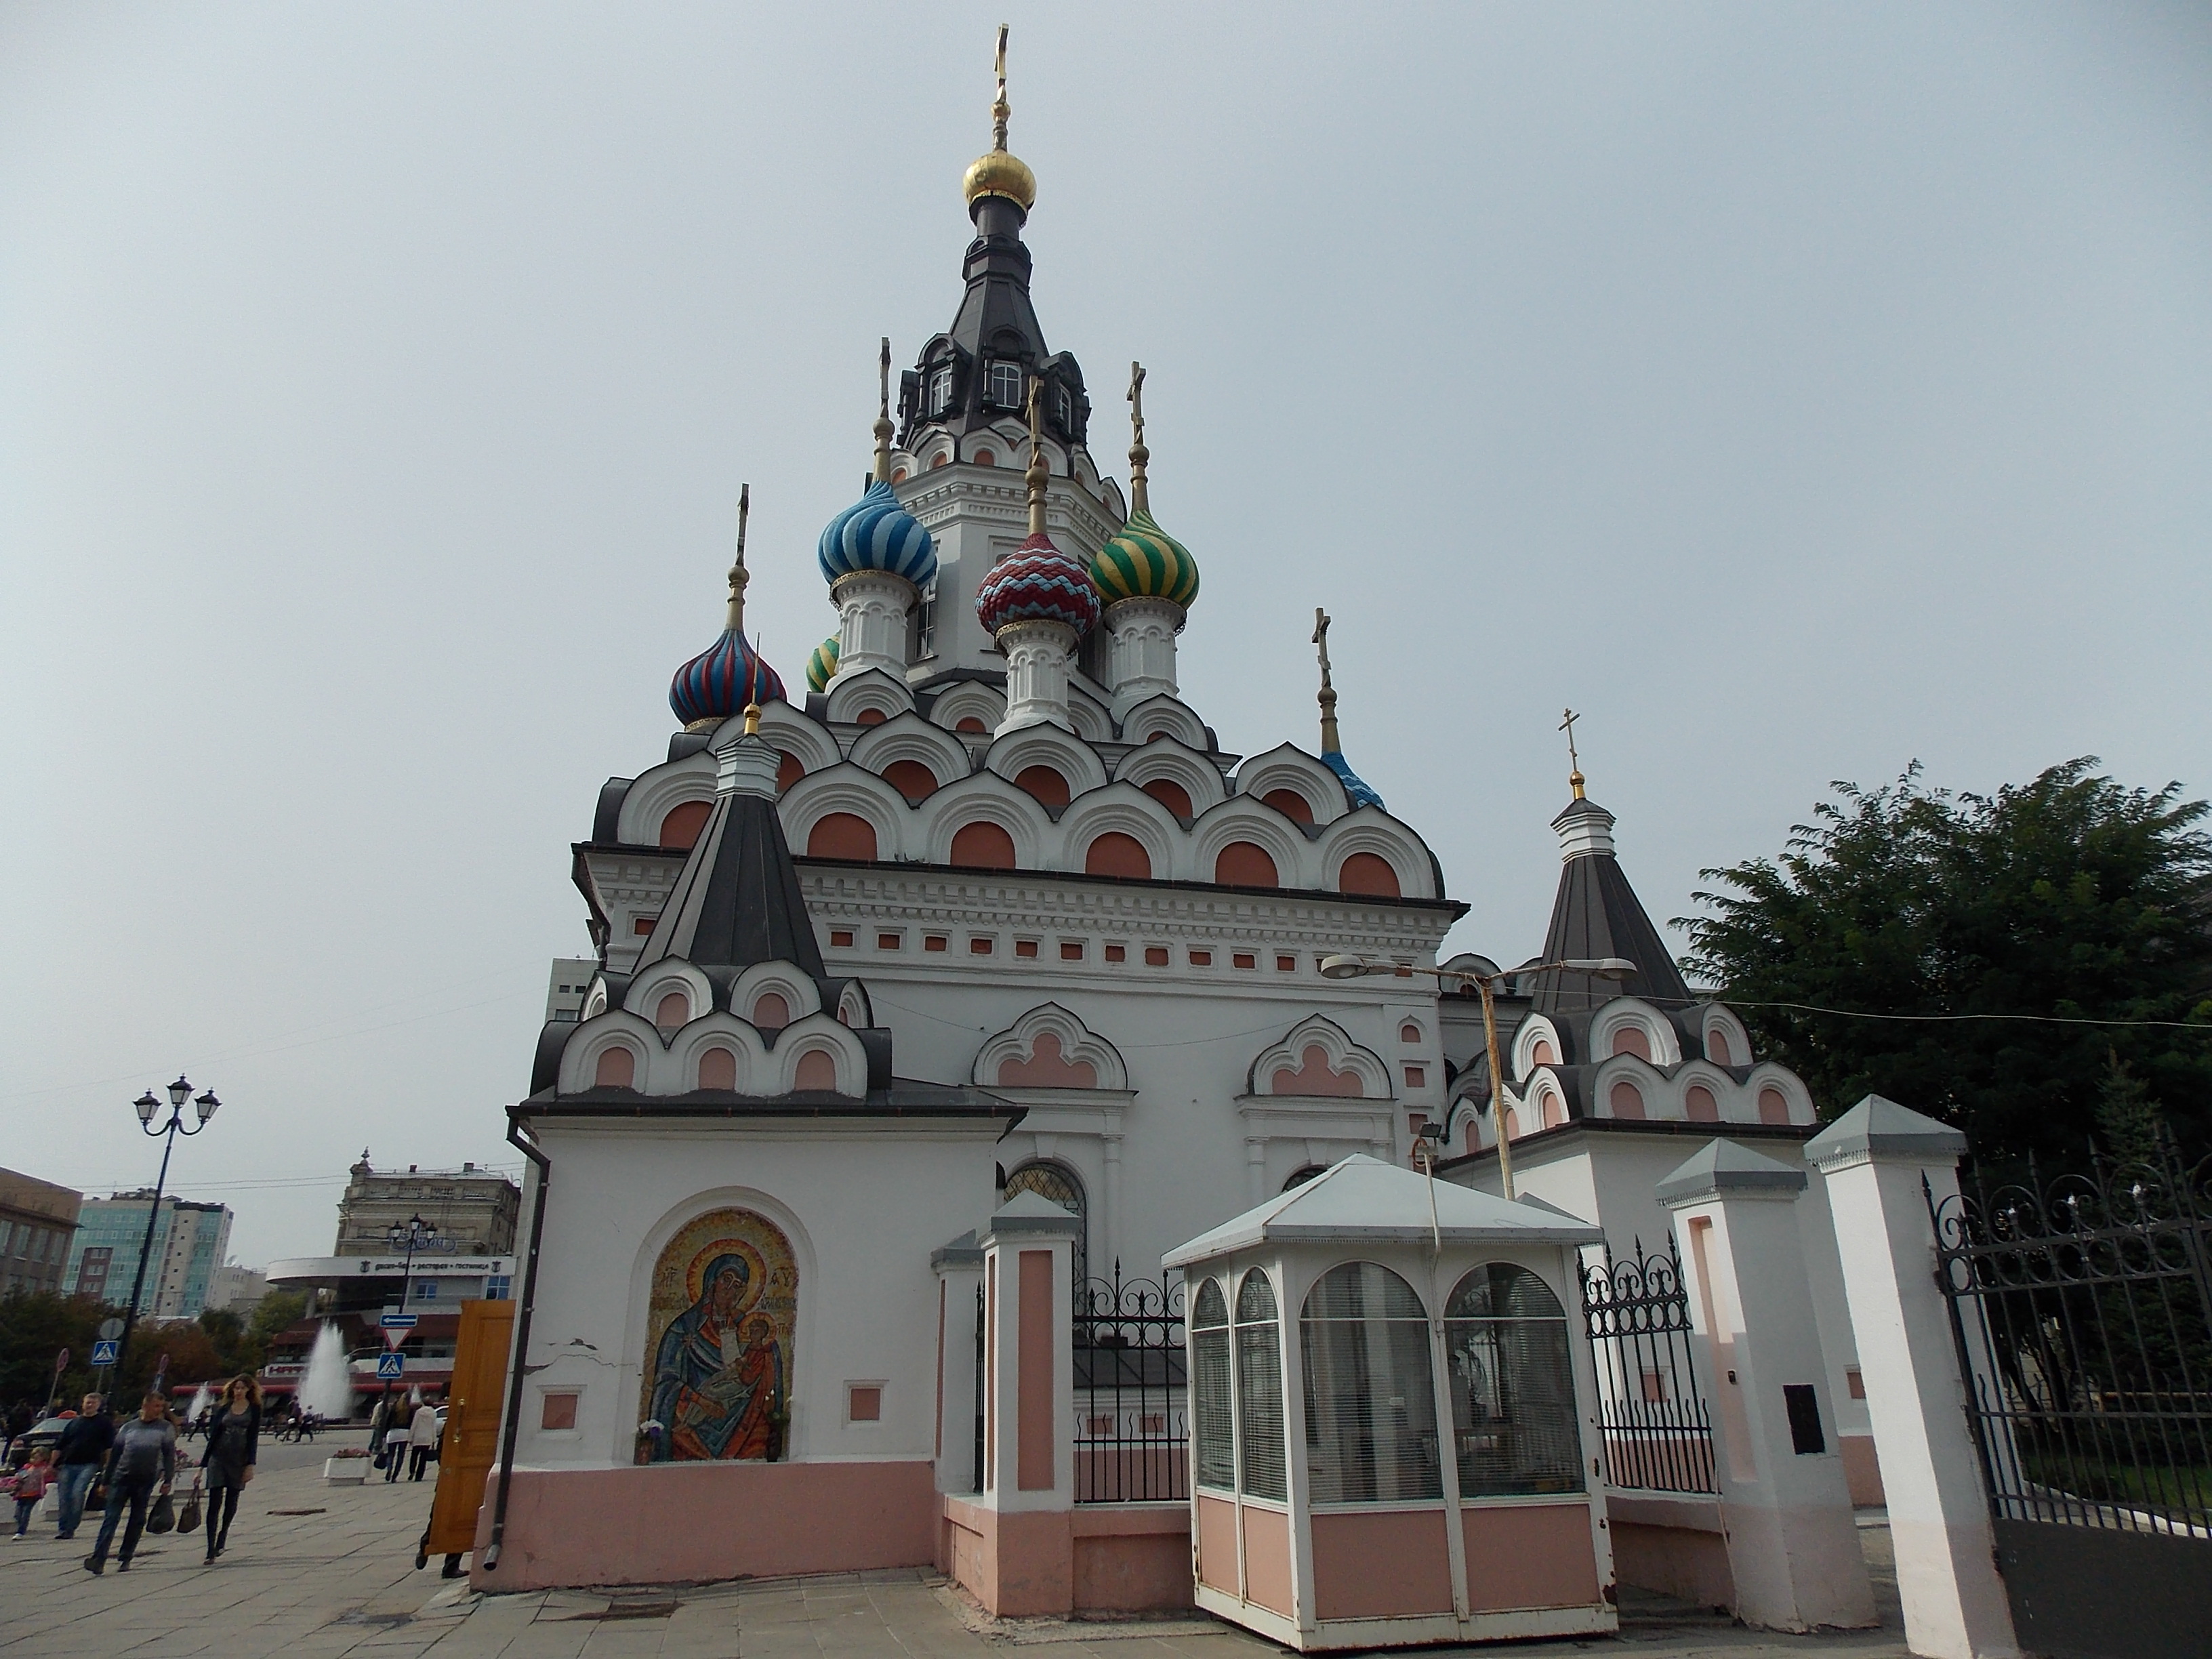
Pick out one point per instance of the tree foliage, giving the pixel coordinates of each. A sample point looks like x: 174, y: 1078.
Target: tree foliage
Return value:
x: 2069, y: 898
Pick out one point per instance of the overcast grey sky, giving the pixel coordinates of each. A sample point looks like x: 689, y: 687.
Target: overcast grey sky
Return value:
x: 1796, y: 391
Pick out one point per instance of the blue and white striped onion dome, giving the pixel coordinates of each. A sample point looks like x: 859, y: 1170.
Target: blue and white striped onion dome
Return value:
x: 1038, y: 582
x: 1143, y: 562
x: 821, y: 664
x: 1362, y: 793
x: 877, y: 533
x: 721, y: 680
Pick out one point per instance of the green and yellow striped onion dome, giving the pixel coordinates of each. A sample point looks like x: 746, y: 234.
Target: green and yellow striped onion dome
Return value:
x: 821, y: 664
x: 1143, y: 562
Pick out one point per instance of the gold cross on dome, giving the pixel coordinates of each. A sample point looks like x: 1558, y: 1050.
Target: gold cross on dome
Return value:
x: 1574, y: 761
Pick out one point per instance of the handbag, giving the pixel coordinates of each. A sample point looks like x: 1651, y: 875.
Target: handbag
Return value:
x: 162, y: 1517
x: 96, y: 1500
x: 189, y: 1521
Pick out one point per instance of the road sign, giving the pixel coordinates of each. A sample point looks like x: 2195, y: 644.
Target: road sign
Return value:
x: 103, y: 1352
x: 398, y: 1321
x: 393, y: 1339
x: 109, y: 1330
x: 390, y: 1367
x: 61, y: 1362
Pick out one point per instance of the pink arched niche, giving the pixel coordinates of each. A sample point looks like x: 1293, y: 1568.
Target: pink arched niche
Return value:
x: 1773, y: 1105
x: 1047, y: 1067
x: 817, y: 1070
x: 1627, y: 1099
x: 771, y: 1013
x: 674, y: 1010
x: 617, y: 1069
x: 1697, y: 1101
x: 718, y: 1069
x: 1313, y: 1077
x: 1717, y: 1048
x: 1631, y: 1040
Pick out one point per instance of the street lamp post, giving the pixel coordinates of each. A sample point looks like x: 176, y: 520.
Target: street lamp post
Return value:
x: 415, y: 1235
x: 1357, y: 967
x: 146, y: 1106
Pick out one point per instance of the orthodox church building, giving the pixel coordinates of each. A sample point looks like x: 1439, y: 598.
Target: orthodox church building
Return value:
x: 983, y: 931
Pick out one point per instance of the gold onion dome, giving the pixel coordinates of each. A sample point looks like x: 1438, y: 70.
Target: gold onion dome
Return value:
x: 999, y: 172
x: 1143, y: 562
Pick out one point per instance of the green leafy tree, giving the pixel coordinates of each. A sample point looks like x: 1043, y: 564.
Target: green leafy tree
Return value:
x: 34, y: 1328
x: 274, y: 1314
x: 2071, y: 899
x: 2130, y: 1126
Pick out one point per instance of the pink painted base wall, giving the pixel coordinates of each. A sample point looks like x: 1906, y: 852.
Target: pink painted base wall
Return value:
x: 680, y: 1522
x: 1108, y: 1559
x: 1674, y: 1561
x: 1862, y: 1469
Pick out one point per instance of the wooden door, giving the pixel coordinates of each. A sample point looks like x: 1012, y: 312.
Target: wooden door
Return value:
x: 471, y: 1439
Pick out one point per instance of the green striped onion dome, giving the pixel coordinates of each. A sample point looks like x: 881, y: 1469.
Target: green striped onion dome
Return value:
x: 1144, y: 562
x: 821, y: 664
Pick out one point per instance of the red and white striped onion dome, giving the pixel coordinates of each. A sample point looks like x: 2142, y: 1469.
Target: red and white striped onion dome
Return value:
x: 1038, y: 582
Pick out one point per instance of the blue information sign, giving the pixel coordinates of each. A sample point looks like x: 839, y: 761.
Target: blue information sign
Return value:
x: 103, y: 1353
x: 389, y: 1365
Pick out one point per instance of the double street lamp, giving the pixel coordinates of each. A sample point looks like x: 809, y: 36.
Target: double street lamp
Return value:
x: 146, y: 1106
x: 409, y: 1237
x: 1357, y: 967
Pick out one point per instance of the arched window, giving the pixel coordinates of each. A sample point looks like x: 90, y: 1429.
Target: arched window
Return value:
x: 983, y: 845
x: 1631, y: 1040
x: 1369, y: 1395
x: 1542, y: 1055
x: 617, y: 1069
x: 788, y: 770
x: 1059, y: 1183
x: 1409, y: 1034
x: 1259, y: 1391
x: 841, y: 835
x: 970, y: 725
x: 1627, y: 1099
x: 817, y: 1070
x: 1717, y: 1047
x: 986, y: 458
x: 1290, y: 804
x: 911, y: 779
x: 1240, y: 864
x: 1299, y: 1177
x: 674, y: 1012
x: 1211, y: 1424
x: 1117, y: 854
x: 1512, y: 1385
x: 771, y: 1011
x: 1697, y: 1101
x: 1369, y: 874
x: 1171, y: 795
x: 682, y: 826
x: 870, y: 717
x: 1773, y: 1106
x: 718, y: 1069
x: 1044, y: 784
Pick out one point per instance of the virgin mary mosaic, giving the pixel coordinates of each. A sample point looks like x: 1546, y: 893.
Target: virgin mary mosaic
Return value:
x: 718, y: 1342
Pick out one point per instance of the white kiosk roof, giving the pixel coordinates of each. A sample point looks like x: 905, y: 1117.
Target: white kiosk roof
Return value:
x: 1364, y: 1198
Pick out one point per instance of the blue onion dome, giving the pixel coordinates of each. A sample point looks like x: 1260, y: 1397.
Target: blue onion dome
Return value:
x: 877, y: 533
x: 1362, y: 793
x: 1143, y: 562
x: 821, y: 664
x: 721, y: 680
x: 1038, y: 582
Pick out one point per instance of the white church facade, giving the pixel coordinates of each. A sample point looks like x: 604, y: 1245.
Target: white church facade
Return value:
x: 986, y: 939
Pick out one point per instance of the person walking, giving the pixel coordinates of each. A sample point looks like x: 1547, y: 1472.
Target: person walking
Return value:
x: 379, y: 1421
x: 30, y: 1487
x: 83, y: 1447
x: 395, y: 1441
x: 234, y: 1439
x: 144, y: 1458
x: 421, y: 1438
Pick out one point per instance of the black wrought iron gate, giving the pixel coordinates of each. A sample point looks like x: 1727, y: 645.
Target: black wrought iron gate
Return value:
x: 2082, y: 1312
x: 1658, y: 1431
x: 1131, y: 1410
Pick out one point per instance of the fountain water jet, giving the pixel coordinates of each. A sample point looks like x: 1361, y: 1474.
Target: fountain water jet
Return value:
x: 327, y: 1388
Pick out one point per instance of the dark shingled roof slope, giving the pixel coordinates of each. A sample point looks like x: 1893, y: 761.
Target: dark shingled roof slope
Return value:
x: 1596, y: 914
x: 738, y: 902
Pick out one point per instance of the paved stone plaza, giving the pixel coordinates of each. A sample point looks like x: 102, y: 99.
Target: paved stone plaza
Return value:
x: 340, y: 1580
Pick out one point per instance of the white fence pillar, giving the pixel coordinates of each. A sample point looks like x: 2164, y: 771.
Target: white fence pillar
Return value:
x: 1874, y: 1158
x: 1793, y: 1543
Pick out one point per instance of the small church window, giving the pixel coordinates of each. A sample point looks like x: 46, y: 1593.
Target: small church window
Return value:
x: 1058, y: 1183
x: 1006, y: 385
x: 940, y: 390
x: 1369, y: 1391
x: 1512, y: 1386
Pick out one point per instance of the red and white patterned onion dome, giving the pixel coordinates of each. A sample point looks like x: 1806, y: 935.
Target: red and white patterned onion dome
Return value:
x: 1038, y: 582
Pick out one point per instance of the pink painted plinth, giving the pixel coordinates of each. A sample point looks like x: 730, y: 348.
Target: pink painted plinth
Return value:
x: 694, y: 1522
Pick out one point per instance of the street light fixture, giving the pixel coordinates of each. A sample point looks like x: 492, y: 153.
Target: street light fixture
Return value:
x: 410, y: 1237
x: 147, y: 1108
x: 1357, y: 967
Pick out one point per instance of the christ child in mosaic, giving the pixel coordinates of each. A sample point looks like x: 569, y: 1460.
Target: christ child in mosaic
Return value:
x: 717, y: 1377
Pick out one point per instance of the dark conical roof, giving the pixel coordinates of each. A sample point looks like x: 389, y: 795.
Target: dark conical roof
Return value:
x: 1596, y: 914
x: 737, y: 902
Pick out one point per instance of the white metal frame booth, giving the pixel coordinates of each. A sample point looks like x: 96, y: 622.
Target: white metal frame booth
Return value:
x: 1392, y: 1317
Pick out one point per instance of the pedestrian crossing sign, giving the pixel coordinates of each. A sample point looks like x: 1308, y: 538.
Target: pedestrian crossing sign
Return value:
x: 103, y: 1353
x: 390, y: 1366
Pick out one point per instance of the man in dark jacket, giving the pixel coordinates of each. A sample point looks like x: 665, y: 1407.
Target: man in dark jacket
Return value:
x: 145, y: 1454
x: 80, y: 1452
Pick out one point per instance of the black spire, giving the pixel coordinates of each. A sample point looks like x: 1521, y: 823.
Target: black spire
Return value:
x: 1596, y: 914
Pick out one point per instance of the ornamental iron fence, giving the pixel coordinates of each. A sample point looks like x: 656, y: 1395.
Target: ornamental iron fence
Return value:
x: 1132, y: 1398
x: 1658, y: 1430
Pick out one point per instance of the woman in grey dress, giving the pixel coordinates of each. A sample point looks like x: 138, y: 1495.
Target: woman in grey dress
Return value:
x: 234, y: 1439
